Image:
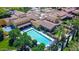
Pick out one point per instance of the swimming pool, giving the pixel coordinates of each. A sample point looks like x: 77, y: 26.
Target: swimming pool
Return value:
x: 39, y: 36
x: 7, y: 29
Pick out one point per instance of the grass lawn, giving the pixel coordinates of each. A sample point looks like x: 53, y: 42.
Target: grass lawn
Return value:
x: 4, y: 45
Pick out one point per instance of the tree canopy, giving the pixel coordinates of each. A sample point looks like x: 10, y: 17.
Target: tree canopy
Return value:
x: 40, y: 47
x: 4, y: 13
x: 1, y: 34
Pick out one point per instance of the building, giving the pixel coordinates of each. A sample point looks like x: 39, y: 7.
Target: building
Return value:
x: 69, y: 9
x: 76, y: 12
x: 19, y: 19
x: 46, y: 25
x: 33, y: 15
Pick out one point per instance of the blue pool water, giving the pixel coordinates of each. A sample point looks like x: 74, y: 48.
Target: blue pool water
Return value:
x: 39, y: 37
x: 7, y: 29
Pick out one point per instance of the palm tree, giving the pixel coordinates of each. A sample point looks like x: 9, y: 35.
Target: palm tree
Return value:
x: 13, y: 35
x: 61, y: 34
x: 59, y: 31
x: 1, y: 34
x: 22, y: 42
x: 23, y: 9
x: 63, y: 38
x: 67, y: 41
x: 75, y: 24
x: 40, y: 47
x: 34, y: 42
x: 53, y: 47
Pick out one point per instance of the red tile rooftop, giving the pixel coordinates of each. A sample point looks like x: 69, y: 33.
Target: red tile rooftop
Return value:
x: 69, y: 9
x: 33, y: 16
x: 76, y: 12
x: 48, y: 25
x: 25, y: 24
x: 61, y: 13
x: 49, y: 15
x: 70, y: 15
x: 17, y: 13
x: 20, y: 21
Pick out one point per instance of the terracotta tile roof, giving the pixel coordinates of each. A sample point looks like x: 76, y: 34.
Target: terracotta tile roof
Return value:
x: 69, y: 9
x: 22, y: 25
x: 20, y: 21
x: 17, y: 13
x: 70, y: 15
x: 50, y: 17
x: 61, y: 13
x: 36, y: 23
x: 76, y: 12
x: 48, y: 25
x: 32, y: 15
